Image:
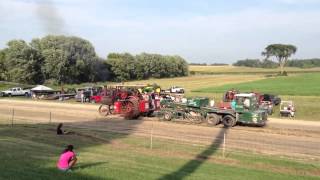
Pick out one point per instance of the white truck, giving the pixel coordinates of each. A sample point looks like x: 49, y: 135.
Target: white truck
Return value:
x: 175, y: 89
x: 16, y: 91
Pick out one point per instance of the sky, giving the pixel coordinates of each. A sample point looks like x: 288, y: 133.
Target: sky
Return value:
x: 201, y: 31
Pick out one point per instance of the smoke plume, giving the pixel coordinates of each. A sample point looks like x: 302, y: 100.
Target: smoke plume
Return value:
x: 50, y: 18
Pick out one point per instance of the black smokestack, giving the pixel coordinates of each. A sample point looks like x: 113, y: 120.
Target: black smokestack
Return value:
x: 49, y: 16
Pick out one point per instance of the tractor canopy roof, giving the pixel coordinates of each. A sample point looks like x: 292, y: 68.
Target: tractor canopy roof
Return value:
x: 245, y: 95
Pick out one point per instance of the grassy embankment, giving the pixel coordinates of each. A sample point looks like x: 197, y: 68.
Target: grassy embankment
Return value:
x: 31, y: 152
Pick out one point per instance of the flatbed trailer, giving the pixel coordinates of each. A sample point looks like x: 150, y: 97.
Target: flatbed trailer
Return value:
x: 213, y: 115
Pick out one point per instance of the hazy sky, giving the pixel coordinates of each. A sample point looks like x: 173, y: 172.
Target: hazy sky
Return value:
x: 198, y: 30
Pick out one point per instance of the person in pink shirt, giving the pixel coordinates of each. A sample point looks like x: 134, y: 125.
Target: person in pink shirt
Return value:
x: 67, y: 159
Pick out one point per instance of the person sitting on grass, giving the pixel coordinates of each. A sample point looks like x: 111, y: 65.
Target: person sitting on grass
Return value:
x: 61, y: 132
x: 67, y: 159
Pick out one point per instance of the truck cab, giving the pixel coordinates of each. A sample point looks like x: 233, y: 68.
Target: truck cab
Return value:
x: 16, y: 91
x: 248, y: 111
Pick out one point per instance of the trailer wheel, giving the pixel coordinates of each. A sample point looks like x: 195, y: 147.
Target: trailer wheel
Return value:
x: 167, y: 116
x: 229, y: 121
x: 261, y: 125
x: 213, y: 119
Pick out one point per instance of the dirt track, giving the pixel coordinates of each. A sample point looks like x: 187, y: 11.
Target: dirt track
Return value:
x: 283, y: 137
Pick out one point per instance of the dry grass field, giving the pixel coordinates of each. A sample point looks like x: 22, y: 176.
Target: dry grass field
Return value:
x: 229, y: 69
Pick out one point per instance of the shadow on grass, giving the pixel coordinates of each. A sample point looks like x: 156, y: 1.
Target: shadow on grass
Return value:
x: 31, y: 151
x: 192, y: 165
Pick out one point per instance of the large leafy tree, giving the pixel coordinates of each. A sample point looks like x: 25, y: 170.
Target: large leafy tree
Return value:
x: 22, y: 63
x: 67, y: 59
x: 281, y: 52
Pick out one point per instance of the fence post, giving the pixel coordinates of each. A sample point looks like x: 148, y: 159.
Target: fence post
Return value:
x: 151, y: 136
x: 12, y: 118
x: 224, y: 145
x: 50, y: 118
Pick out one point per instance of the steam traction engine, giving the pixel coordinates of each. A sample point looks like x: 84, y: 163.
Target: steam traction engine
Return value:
x: 128, y: 101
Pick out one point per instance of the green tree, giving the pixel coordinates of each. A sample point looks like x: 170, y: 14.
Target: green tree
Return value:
x: 281, y: 52
x: 101, y: 70
x: 23, y: 63
x: 159, y: 66
x: 3, y: 68
x: 122, y: 66
x: 67, y: 59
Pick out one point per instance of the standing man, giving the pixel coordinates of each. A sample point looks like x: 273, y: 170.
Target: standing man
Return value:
x: 82, y: 96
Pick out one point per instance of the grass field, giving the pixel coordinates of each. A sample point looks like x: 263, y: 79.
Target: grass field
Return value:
x: 31, y: 152
x: 245, y: 70
x: 295, y: 85
x: 302, y: 89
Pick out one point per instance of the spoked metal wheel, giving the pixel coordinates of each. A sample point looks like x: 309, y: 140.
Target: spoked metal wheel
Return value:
x: 131, y: 109
x: 104, y: 110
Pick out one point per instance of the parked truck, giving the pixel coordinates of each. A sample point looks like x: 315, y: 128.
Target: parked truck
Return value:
x: 175, y: 89
x: 198, y: 110
x: 16, y: 91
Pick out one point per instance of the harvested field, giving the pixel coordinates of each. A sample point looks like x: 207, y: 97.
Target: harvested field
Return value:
x: 246, y: 70
x: 195, y: 82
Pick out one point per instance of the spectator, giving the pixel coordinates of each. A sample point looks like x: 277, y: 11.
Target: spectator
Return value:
x: 82, y: 96
x: 67, y: 159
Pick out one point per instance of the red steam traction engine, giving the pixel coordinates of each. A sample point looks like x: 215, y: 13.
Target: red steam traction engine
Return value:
x: 130, y: 101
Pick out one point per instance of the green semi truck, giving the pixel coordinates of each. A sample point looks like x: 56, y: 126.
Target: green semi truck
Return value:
x: 197, y: 110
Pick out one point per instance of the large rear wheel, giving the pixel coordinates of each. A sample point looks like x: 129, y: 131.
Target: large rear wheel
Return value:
x: 213, y: 119
x: 229, y: 121
x: 132, y: 109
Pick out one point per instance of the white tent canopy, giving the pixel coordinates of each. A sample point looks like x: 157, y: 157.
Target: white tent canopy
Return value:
x: 41, y: 88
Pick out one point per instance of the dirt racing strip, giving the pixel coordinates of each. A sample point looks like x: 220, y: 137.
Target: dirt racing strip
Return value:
x: 258, y: 142
x: 300, y: 139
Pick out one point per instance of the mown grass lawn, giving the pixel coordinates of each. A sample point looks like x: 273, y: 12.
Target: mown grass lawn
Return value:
x: 31, y: 152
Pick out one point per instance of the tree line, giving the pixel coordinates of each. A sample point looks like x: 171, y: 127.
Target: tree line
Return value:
x: 143, y: 66
x: 208, y: 64
x: 64, y: 59
x: 300, y: 63
x: 256, y: 63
